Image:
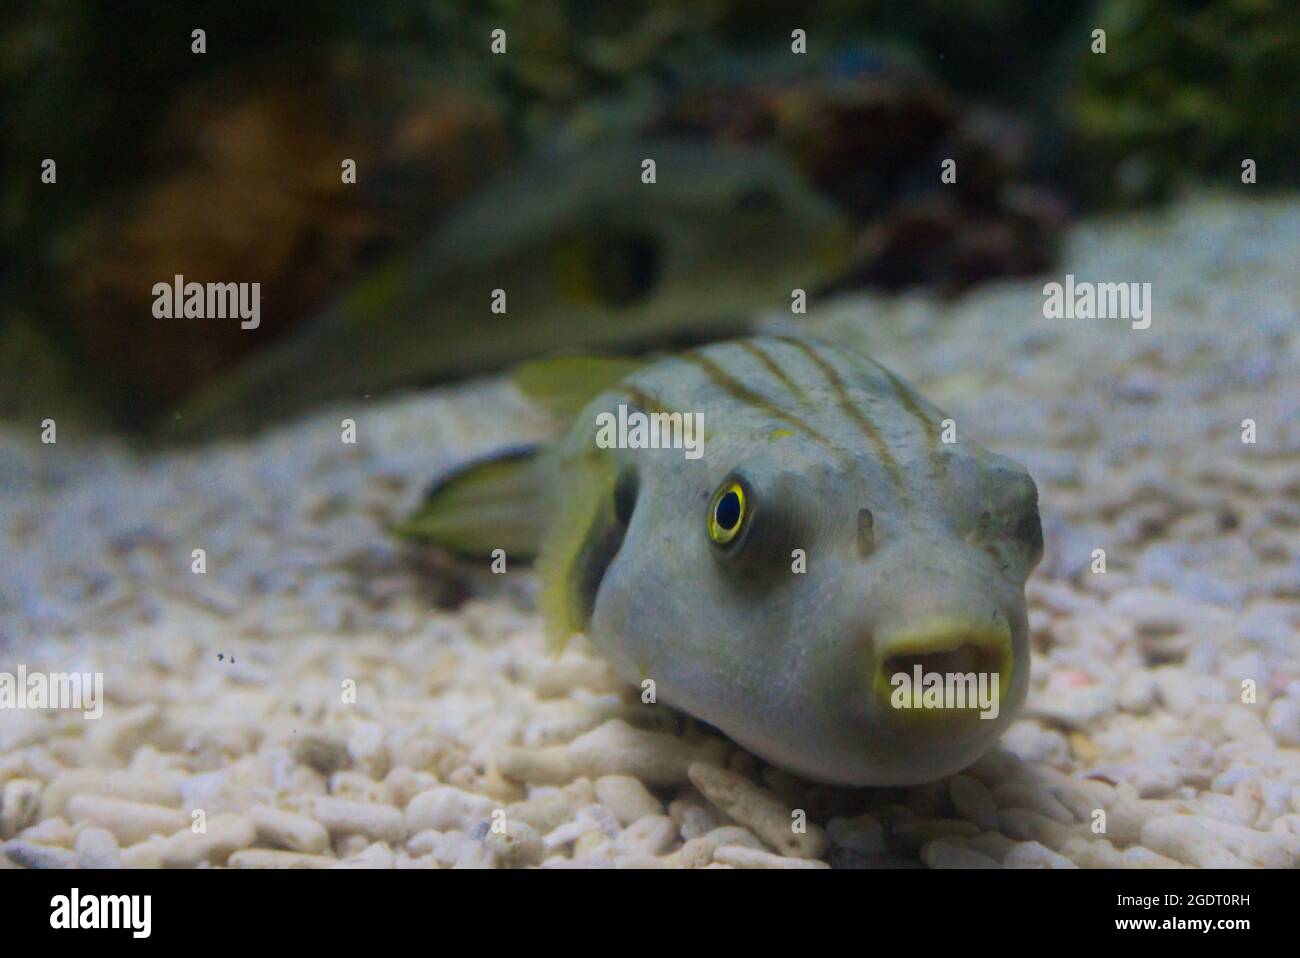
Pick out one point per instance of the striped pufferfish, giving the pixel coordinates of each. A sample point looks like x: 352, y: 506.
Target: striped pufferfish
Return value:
x: 684, y: 571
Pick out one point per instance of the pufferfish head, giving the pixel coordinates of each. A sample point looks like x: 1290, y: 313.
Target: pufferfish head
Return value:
x: 788, y: 596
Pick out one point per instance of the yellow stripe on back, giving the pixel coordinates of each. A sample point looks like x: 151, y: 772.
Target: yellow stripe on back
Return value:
x: 737, y: 390
x: 851, y: 409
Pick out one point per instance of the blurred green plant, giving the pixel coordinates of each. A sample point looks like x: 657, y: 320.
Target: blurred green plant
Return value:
x: 1184, y: 92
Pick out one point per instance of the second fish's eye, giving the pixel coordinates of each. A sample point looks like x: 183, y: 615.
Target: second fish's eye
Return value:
x: 627, y: 269
x: 758, y: 199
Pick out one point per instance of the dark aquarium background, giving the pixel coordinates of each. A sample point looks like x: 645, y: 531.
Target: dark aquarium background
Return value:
x: 225, y: 166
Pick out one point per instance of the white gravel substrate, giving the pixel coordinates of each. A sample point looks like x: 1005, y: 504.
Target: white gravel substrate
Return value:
x: 226, y: 691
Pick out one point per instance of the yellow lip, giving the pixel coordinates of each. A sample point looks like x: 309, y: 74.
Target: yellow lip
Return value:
x: 948, y: 646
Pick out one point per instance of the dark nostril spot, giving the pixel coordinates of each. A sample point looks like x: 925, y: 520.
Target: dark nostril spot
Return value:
x: 866, y: 531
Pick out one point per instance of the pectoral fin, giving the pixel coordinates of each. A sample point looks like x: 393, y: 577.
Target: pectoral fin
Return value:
x: 581, y: 543
x: 489, y: 504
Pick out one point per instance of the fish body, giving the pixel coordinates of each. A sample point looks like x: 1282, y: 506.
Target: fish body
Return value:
x: 826, y: 541
x: 571, y: 252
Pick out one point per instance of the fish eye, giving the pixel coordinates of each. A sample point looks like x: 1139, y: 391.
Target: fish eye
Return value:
x: 627, y: 269
x: 728, y: 511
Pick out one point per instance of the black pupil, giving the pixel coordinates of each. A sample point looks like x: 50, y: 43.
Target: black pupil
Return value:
x: 728, y: 512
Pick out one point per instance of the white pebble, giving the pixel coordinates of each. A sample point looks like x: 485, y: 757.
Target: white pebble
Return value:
x: 1075, y: 708
x: 739, y: 857
x: 383, y: 823
x: 366, y: 748
x: 224, y: 835
x: 449, y: 847
x: 544, y: 811
x: 515, y: 846
x: 275, y: 858
x: 1284, y: 722
x: 145, y: 854
x: 130, y: 822
x: 1033, y: 744
x: 651, y: 835
x: 447, y: 808
x: 626, y: 798
x: 1137, y: 692
x: 1185, y: 839
x: 423, y: 843
x: 19, y: 804
x: 693, y: 817
x: 31, y: 855
x: 281, y: 829
x: 121, y: 731
x: 97, y: 848
x: 376, y: 855
x: 759, y: 810
x: 1035, y: 855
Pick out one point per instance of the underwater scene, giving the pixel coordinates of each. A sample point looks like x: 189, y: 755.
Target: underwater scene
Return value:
x: 703, y: 435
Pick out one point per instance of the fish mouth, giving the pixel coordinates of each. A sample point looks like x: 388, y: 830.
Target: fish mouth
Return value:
x: 943, y: 675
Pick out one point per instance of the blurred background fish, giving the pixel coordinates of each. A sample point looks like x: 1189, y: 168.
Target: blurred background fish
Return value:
x: 574, y: 251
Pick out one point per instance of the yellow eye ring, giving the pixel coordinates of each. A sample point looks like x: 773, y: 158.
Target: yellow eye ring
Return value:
x: 727, y: 513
